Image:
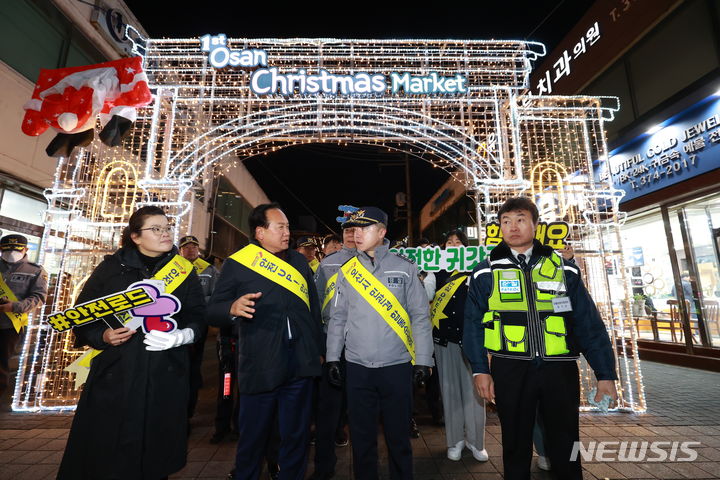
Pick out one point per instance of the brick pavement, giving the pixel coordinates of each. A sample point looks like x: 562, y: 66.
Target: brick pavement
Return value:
x: 684, y: 405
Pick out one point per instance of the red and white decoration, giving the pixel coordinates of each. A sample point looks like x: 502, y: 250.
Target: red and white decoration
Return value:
x: 70, y: 99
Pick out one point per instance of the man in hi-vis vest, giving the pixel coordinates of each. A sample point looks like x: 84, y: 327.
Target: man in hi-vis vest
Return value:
x: 380, y: 316
x: 266, y: 290
x: 530, y: 310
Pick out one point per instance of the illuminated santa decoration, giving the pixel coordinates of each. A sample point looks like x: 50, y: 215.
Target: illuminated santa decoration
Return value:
x: 70, y: 99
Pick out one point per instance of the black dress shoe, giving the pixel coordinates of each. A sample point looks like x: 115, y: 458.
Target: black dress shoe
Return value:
x: 231, y: 475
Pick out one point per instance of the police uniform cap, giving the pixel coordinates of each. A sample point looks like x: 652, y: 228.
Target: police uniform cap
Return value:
x: 13, y: 242
x: 305, y: 242
x: 367, y: 216
x: 188, y: 239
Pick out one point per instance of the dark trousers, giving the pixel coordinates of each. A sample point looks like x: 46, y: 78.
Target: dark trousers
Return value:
x: 330, y: 410
x: 550, y: 389
x: 292, y: 402
x: 8, y: 340
x: 385, y: 391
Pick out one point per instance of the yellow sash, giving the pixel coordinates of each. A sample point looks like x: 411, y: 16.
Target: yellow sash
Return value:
x: 173, y: 274
x: 442, y: 297
x: 200, y: 265
x: 329, y: 291
x: 18, y: 320
x: 273, y: 268
x: 382, y: 300
x: 314, y: 264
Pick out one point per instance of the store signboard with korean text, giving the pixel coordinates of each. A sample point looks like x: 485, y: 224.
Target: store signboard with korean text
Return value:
x: 686, y: 146
x: 607, y: 30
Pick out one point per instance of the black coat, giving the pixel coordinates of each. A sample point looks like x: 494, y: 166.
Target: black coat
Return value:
x: 451, y: 328
x: 266, y: 358
x: 131, y: 419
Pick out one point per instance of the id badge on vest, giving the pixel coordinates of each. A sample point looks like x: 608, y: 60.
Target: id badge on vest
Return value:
x: 561, y: 304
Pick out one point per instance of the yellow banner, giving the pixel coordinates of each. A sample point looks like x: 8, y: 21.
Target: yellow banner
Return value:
x: 200, y: 265
x: 442, y: 297
x: 172, y: 274
x: 314, y: 264
x: 18, y: 320
x: 274, y: 269
x: 329, y: 292
x: 381, y: 300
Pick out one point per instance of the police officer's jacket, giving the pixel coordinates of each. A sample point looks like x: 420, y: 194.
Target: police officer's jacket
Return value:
x: 534, y: 332
x: 208, y: 278
x: 366, y: 336
x: 28, y: 281
x: 329, y: 266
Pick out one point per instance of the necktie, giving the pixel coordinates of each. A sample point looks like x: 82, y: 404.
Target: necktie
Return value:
x: 521, y: 258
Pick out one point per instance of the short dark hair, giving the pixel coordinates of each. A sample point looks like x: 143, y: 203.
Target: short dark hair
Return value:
x: 519, y: 203
x: 136, y: 222
x: 422, y: 241
x: 258, y: 216
x: 331, y: 238
x: 459, y: 234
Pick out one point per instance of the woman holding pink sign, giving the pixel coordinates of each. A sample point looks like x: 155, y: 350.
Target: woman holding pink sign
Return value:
x: 131, y: 419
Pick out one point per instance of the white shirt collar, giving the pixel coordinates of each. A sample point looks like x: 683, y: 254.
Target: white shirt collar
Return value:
x: 527, y: 253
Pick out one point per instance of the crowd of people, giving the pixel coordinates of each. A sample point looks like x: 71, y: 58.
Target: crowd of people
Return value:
x: 327, y: 335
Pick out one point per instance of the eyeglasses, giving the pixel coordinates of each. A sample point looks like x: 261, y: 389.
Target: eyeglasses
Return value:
x: 160, y: 230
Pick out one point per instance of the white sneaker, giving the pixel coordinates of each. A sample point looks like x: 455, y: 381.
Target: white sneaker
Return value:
x: 454, y: 453
x: 479, y: 455
x: 543, y: 463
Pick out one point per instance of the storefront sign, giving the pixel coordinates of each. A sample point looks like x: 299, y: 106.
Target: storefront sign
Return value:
x: 688, y: 145
x: 606, y: 30
x: 270, y: 80
x: 561, y: 66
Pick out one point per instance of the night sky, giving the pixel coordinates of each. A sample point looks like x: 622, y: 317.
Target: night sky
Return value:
x: 312, y: 180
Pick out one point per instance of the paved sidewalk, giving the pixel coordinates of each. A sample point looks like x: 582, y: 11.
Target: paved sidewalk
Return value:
x: 684, y: 405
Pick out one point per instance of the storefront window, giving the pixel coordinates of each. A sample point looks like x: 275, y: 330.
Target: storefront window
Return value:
x: 657, y: 306
x: 651, y: 276
x: 699, y: 264
x: 23, y: 208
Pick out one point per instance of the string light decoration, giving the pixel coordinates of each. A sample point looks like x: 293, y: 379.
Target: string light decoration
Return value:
x: 495, y: 138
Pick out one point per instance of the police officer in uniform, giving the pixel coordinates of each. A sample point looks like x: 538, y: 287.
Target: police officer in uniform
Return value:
x: 189, y: 248
x: 28, y: 283
x: 380, y: 316
x: 530, y: 309
x: 207, y: 273
x: 330, y: 397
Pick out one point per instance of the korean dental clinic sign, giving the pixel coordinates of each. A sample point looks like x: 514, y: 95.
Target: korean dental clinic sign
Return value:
x: 268, y: 80
x: 687, y: 145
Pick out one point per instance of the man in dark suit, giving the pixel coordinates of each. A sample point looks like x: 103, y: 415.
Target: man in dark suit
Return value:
x: 267, y: 291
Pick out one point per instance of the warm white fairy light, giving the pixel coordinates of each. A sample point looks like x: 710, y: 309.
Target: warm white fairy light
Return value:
x: 494, y: 138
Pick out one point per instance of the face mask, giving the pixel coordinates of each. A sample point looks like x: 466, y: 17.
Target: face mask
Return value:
x: 12, y: 256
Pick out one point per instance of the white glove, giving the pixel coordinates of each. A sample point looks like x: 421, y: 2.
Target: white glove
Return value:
x: 155, y: 340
